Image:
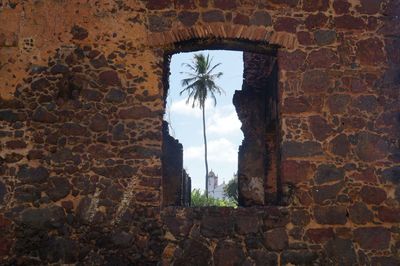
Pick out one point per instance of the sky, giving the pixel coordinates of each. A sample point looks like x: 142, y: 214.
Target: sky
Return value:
x: 222, y: 124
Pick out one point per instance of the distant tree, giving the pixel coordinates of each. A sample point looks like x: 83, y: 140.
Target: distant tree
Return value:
x: 200, y: 85
x: 231, y: 190
x: 200, y: 200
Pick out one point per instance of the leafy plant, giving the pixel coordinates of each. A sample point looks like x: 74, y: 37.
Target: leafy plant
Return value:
x: 231, y: 190
x: 200, y: 200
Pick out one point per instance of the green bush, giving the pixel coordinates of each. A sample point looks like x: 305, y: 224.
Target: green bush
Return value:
x: 200, y: 200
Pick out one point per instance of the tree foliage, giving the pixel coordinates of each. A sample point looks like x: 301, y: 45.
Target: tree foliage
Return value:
x: 231, y: 190
x: 200, y: 200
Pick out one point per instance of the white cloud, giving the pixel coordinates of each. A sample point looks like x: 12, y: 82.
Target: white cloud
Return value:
x: 224, y: 121
x: 219, y: 150
x: 180, y: 107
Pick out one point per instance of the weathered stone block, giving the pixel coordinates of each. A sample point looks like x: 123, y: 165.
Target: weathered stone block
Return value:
x: 159, y: 4
x: 370, y: 6
x: 291, y: 61
x: 372, y: 195
x: 295, y: 171
x: 91, y: 95
x: 241, y: 19
x: 228, y: 253
x: 109, y: 78
x: 341, y: 251
x: 360, y: 214
x: 371, y: 147
x: 136, y: 112
x: 213, y: 16
x: 286, y: 24
x: 341, y: 6
x: 26, y: 193
x: 247, y: 224
x: 328, y: 173
x: 115, y: 96
x: 315, y: 81
x: 304, y: 257
x: 79, y: 33
x: 315, y: 5
x: 33, y: 175
x: 185, y: 4
x: 40, y: 84
x: 340, y: 145
x: 73, y: 129
x: 320, y: 127
x: 301, y: 149
x: 44, y: 116
x: 188, y: 18
x: 261, y: 18
x: 262, y: 257
x: 300, y: 217
x: 325, y: 37
x: 225, y: 4
x: 320, y: 235
x: 316, y: 21
x: 3, y: 192
x: 276, y: 239
x: 389, y: 214
x: 194, y: 253
x: 348, y: 22
x: 322, y: 58
x: 16, y: 144
x: 45, y: 217
x: 392, y: 175
x: 328, y: 192
x: 59, y: 188
x: 99, y: 123
x: 216, y: 226
x: 372, y: 237
x: 385, y: 261
x: 330, y: 214
x: 370, y: 52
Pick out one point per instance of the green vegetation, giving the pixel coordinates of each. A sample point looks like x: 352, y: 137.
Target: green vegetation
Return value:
x: 200, y: 85
x: 200, y: 200
x: 231, y: 190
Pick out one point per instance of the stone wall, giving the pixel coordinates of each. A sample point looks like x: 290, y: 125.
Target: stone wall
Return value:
x: 256, y: 106
x: 81, y: 109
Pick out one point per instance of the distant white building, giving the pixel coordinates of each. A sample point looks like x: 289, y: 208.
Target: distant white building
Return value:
x: 215, y: 190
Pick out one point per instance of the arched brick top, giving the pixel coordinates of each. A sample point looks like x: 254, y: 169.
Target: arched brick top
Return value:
x: 226, y: 31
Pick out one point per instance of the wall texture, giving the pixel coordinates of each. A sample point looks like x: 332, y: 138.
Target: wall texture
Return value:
x: 81, y: 104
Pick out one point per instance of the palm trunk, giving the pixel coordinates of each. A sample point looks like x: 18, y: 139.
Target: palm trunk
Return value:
x: 205, y: 148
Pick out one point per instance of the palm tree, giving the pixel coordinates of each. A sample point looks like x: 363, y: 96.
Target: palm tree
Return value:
x: 200, y: 85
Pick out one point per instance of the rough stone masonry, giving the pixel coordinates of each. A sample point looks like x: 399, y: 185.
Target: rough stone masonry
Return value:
x: 81, y: 105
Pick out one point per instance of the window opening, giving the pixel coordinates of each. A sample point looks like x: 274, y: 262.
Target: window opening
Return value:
x: 250, y: 103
